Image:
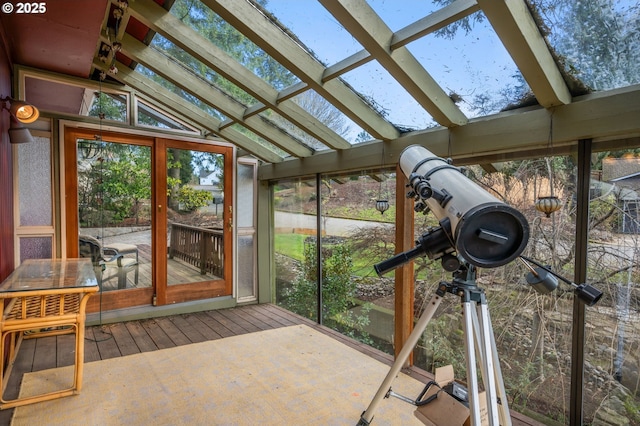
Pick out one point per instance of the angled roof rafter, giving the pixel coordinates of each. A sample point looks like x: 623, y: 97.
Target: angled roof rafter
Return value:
x: 371, y: 31
x: 512, y: 21
x: 247, y: 19
x: 179, y: 106
x: 427, y: 25
x: 190, y: 83
x: 163, y: 22
x: 433, y: 22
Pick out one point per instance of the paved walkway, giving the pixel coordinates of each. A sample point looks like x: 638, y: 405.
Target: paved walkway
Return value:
x: 332, y: 226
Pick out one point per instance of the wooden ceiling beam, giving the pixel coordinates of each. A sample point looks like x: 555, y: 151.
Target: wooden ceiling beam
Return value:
x: 362, y: 22
x: 157, y: 18
x: 180, y: 107
x: 427, y: 25
x: 433, y: 22
x: 517, y: 134
x: 262, y: 31
x: 512, y: 21
x: 189, y: 82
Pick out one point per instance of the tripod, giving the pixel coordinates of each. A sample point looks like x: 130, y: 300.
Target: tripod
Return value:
x: 479, y: 341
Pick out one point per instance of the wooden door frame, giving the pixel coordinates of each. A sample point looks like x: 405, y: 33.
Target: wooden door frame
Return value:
x: 156, y: 294
x: 105, y: 301
x: 200, y: 290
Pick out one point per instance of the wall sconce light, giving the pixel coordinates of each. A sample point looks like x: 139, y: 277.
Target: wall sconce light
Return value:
x: 19, y: 112
x: 18, y: 133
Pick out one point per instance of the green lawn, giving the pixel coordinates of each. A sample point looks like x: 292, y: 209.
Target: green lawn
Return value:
x: 292, y: 245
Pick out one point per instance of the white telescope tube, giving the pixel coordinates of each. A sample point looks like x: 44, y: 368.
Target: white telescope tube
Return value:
x: 485, y: 231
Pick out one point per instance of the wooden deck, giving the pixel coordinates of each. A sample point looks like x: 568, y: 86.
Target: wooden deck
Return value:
x: 122, y: 339
x: 178, y: 272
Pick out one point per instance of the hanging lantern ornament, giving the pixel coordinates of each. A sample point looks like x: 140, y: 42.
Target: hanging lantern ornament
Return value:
x: 382, y: 206
x: 548, y: 205
x: 551, y: 203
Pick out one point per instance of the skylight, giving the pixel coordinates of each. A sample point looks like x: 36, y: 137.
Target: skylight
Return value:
x: 295, y: 78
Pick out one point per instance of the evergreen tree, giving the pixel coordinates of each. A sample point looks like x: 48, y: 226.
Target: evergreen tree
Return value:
x: 599, y: 40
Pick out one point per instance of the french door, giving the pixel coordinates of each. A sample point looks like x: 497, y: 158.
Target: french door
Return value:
x: 154, y: 214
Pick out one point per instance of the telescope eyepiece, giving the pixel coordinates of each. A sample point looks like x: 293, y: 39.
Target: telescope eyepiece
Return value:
x: 421, y: 186
x: 423, y: 189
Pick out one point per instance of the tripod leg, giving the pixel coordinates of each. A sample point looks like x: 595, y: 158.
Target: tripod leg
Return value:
x: 488, y: 371
x: 406, y: 350
x: 487, y: 353
x: 505, y: 415
x: 472, y: 374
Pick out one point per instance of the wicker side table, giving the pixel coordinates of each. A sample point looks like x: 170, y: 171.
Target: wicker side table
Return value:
x: 44, y: 298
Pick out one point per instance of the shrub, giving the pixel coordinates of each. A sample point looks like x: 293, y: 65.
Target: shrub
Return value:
x: 190, y: 199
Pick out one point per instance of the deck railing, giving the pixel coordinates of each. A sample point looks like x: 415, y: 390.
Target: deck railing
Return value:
x: 200, y: 247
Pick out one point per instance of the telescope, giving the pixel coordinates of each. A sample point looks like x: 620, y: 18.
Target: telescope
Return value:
x: 474, y: 226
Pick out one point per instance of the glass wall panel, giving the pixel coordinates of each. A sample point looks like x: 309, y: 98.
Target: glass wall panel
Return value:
x: 33, y: 191
x: 246, y: 195
x: 295, y: 205
x: 152, y: 117
x: 195, y: 221
x: 34, y: 180
x: 356, y: 236
x: 533, y: 329
x: 612, y: 356
x: 246, y: 218
x: 246, y: 267
x: 111, y: 106
x: 114, y: 211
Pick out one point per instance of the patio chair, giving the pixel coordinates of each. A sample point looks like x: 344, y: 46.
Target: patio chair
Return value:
x: 121, y: 248
x: 103, y: 258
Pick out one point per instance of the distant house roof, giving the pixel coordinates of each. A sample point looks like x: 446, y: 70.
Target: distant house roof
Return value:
x: 615, y: 169
x: 621, y: 178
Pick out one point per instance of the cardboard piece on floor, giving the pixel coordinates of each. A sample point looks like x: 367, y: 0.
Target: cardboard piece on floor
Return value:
x: 445, y: 410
